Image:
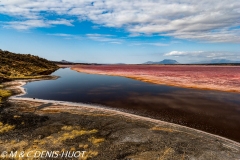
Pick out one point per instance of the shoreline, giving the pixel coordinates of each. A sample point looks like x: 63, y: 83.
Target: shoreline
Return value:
x: 157, y: 80
x: 107, y: 110
x: 22, y: 82
x: 29, y: 124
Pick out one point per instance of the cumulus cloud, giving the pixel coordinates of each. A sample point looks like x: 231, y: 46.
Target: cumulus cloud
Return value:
x: 181, y: 53
x: 214, y: 21
x: 205, y: 54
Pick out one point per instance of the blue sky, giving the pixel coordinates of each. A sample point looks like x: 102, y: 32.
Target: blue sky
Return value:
x: 113, y: 31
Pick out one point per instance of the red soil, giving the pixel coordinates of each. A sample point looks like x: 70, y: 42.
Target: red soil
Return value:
x: 223, y: 78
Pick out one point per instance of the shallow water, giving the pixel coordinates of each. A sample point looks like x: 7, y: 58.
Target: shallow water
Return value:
x: 212, y: 111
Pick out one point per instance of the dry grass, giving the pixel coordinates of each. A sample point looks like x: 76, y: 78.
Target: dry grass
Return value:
x: 17, y: 145
x: 4, y: 94
x: 70, y: 132
x: 67, y: 128
x: 55, y: 139
x: 73, y: 134
x: 16, y: 116
x: 5, y: 127
x: 25, y: 77
x: 96, y: 141
x: 166, y: 154
x: 162, y: 129
x: 89, y: 154
x: 51, y: 111
x: 84, y: 146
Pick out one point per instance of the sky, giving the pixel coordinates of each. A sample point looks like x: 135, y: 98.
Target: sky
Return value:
x: 126, y: 31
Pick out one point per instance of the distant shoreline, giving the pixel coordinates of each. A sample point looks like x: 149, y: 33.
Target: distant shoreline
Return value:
x: 180, y: 64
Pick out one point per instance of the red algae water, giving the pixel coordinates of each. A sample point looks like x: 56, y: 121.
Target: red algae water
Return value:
x: 223, y: 78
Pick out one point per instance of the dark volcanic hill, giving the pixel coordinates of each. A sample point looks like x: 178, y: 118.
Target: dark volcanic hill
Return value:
x: 23, y: 65
x: 62, y: 62
x: 165, y: 61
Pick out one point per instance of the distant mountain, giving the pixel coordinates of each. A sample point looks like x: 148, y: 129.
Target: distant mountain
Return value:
x: 217, y: 61
x: 120, y: 63
x: 165, y: 61
x: 80, y: 61
x: 64, y: 61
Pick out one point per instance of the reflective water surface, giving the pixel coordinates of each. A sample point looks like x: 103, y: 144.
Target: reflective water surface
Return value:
x: 212, y: 111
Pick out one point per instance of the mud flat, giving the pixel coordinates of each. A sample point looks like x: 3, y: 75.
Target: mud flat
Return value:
x: 34, y: 124
x: 222, y: 78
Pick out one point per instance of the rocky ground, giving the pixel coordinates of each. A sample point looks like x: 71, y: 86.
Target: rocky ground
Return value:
x: 34, y: 125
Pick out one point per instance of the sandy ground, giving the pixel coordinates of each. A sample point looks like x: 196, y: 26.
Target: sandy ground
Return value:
x: 33, y: 124
x: 222, y: 78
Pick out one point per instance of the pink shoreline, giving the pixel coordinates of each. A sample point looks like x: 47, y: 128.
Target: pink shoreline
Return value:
x: 221, y: 78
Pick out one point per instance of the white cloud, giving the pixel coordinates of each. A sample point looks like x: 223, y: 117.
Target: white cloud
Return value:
x: 186, y: 19
x: 66, y: 36
x: 95, y: 37
x: 27, y: 24
x: 61, y: 22
x: 217, y: 36
x: 23, y: 25
x: 205, y: 54
x: 104, y: 38
x: 181, y: 53
x: 151, y: 44
x: 61, y: 35
x: 116, y: 42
